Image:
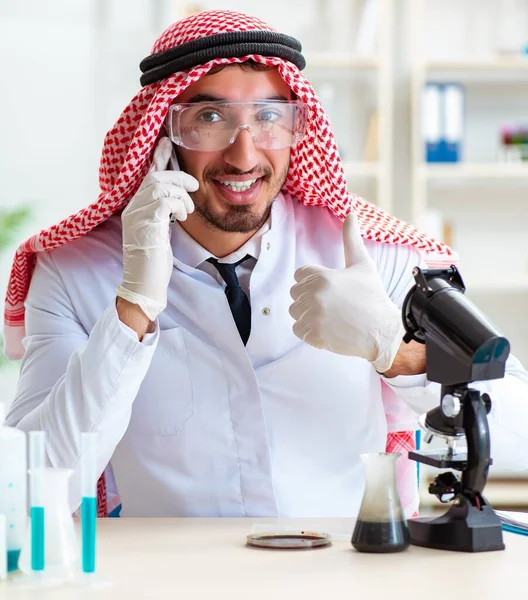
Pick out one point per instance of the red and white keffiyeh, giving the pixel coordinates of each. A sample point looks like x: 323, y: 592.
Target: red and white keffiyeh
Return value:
x: 315, y: 177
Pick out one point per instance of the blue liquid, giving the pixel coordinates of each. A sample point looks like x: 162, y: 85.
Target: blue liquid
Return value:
x: 12, y: 560
x: 37, y: 538
x: 88, y: 523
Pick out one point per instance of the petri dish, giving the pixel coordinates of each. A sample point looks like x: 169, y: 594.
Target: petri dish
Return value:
x: 303, y: 540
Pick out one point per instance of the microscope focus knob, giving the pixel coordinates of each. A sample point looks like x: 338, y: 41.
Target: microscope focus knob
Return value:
x: 450, y: 405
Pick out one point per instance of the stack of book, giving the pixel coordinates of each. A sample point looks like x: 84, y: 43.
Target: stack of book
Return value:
x: 514, y: 522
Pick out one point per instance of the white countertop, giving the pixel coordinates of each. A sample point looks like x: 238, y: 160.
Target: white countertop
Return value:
x: 208, y: 558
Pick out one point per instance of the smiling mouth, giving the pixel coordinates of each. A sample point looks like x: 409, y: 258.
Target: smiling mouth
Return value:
x: 239, y: 186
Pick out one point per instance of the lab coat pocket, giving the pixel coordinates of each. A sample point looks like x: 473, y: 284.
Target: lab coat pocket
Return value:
x: 165, y: 401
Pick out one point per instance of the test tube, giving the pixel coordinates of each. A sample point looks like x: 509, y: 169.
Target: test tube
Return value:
x: 89, y: 500
x: 37, y: 460
x: 37, y: 449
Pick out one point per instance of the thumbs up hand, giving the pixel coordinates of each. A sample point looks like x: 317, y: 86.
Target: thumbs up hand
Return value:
x: 347, y: 311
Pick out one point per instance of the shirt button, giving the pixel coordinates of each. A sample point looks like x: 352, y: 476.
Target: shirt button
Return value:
x: 268, y: 246
x: 266, y: 311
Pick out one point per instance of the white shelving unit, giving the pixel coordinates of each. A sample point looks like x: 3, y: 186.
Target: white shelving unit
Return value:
x: 471, y: 189
x: 488, y: 69
x: 477, y: 197
x: 385, y: 103
x: 372, y: 179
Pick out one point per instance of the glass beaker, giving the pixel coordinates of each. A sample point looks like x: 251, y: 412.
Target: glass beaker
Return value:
x: 381, y: 525
x: 61, y: 551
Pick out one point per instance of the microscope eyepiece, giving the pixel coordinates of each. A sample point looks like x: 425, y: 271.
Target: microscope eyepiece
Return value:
x: 462, y: 344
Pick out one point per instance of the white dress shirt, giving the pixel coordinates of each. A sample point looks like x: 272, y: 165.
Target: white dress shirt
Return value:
x: 194, y: 422
x: 194, y: 255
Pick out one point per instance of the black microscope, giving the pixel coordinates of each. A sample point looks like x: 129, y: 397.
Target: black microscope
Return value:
x: 462, y: 346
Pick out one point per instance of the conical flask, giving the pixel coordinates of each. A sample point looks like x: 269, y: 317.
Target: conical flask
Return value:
x: 381, y: 525
x: 61, y: 548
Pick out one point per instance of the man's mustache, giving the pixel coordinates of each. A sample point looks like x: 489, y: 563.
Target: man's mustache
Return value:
x: 258, y: 171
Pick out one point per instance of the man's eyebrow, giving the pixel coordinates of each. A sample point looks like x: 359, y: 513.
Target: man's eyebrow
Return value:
x: 278, y: 97
x: 206, y: 98
x: 213, y: 98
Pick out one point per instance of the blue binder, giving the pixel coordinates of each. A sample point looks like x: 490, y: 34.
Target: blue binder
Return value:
x: 443, y: 122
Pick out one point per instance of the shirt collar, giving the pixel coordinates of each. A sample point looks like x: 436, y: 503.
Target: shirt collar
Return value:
x: 189, y: 251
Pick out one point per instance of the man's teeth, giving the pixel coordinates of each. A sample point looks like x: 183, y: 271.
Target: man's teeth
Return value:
x: 239, y: 186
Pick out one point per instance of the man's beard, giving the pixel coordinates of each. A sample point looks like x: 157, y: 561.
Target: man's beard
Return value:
x: 241, y: 218
x: 237, y: 219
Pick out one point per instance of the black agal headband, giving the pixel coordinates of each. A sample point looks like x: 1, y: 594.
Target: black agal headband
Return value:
x: 234, y: 44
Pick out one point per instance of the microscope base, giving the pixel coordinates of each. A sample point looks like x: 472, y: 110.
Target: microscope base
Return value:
x: 462, y: 528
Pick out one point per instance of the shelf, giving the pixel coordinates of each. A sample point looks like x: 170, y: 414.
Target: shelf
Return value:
x: 511, y: 70
x: 361, y: 169
x: 506, y: 285
x: 340, y: 59
x: 474, y: 171
x: 497, y: 65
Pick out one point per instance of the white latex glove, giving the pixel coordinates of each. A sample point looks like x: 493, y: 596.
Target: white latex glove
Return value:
x: 147, y: 253
x: 347, y: 311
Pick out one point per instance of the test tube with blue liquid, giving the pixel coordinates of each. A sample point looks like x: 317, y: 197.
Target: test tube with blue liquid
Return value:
x: 37, y: 460
x: 33, y: 557
x: 50, y: 554
x: 89, y: 479
x: 89, y: 500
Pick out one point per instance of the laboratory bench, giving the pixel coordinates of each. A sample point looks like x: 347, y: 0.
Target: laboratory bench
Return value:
x: 208, y: 558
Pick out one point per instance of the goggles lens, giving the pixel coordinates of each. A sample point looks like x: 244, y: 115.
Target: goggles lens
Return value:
x: 212, y: 126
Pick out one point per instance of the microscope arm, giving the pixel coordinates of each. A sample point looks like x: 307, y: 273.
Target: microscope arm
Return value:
x: 475, y: 409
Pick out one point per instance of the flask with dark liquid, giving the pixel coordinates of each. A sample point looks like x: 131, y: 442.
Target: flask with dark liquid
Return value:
x: 381, y: 525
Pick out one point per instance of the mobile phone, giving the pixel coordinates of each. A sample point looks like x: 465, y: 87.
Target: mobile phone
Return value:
x: 174, y: 160
x: 174, y: 167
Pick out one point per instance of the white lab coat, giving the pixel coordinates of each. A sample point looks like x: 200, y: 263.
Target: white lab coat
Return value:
x: 193, y: 422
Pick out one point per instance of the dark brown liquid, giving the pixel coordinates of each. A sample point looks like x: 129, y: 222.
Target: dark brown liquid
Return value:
x: 371, y: 536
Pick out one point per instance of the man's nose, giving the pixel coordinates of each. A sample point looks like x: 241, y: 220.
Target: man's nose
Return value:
x: 242, y: 153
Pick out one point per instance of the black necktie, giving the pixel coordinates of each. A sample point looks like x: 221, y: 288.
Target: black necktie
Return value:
x: 238, y: 301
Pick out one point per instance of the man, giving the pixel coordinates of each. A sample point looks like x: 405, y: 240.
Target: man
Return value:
x: 254, y: 349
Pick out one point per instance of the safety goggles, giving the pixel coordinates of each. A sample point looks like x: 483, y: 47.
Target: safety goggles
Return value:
x: 212, y: 126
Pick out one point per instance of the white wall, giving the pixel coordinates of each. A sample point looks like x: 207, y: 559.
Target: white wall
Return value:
x: 65, y: 80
